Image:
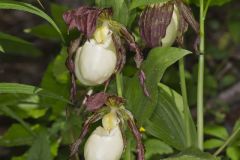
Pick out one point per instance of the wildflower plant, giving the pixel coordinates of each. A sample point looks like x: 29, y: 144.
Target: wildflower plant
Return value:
x: 103, y: 95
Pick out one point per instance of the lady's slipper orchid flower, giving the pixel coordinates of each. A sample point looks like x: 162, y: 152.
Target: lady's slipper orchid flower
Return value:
x: 96, y: 60
x: 105, y: 142
x: 108, y: 141
x: 102, y: 53
x: 162, y: 23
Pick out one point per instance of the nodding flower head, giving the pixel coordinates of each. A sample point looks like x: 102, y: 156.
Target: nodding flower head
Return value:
x: 107, y: 142
x: 102, y: 53
x: 161, y: 24
x: 96, y: 60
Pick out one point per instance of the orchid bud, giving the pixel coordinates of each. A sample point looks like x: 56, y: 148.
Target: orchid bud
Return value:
x: 162, y: 23
x: 159, y: 24
x: 96, y: 60
x: 105, y: 143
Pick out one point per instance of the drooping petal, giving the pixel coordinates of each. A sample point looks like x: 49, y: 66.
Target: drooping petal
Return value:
x: 138, y: 58
x: 187, y: 14
x: 71, y: 67
x: 75, y: 146
x: 121, y: 52
x: 137, y: 135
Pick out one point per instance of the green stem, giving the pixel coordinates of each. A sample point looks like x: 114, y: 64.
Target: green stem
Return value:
x: 185, y: 101
x: 200, y: 109
x: 206, y: 8
x: 229, y: 140
x: 119, y: 84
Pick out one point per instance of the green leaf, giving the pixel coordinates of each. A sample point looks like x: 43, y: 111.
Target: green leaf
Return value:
x: 167, y: 122
x: 21, y: 6
x: 30, y: 106
x: 44, y: 31
x: 16, y: 135
x: 158, y: 60
x: 54, y: 147
x: 40, y: 149
x: 233, y: 152
x: 16, y: 88
x: 154, y: 146
x: 74, y: 123
x: 22, y: 157
x: 57, y: 13
x: 60, y: 71
x: 213, y: 2
x: 12, y: 44
x: 7, y: 111
x: 193, y: 154
x: 50, y: 83
x: 130, y: 147
x: 216, y: 131
x: 138, y: 3
x: 213, y: 143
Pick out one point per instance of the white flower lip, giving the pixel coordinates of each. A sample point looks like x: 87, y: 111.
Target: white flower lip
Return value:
x: 96, y: 62
x: 104, y: 145
x: 172, y: 29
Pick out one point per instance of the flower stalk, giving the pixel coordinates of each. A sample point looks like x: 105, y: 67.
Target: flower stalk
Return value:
x: 119, y: 84
x: 185, y: 101
x: 228, y: 141
x: 200, y: 109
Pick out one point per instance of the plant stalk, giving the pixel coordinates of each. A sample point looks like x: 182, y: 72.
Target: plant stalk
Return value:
x: 119, y: 84
x: 228, y: 141
x: 185, y: 101
x: 200, y: 109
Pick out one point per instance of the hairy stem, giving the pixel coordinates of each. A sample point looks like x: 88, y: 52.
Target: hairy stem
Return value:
x: 228, y: 141
x: 185, y: 101
x: 200, y: 109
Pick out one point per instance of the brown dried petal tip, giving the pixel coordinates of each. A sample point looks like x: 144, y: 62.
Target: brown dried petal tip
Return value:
x: 84, y: 19
x: 154, y: 21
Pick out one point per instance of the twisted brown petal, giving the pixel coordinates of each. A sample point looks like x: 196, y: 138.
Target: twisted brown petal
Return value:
x: 121, y: 52
x: 138, y: 137
x: 187, y: 14
x: 74, y: 147
x: 138, y: 56
x: 187, y: 18
x: 71, y: 67
x: 142, y: 79
x: 133, y: 45
x: 183, y: 27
